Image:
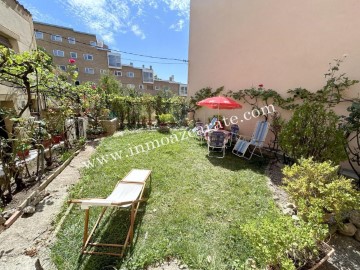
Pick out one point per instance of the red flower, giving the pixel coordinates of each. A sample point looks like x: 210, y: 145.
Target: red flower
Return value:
x: 261, y: 85
x: 93, y: 86
x: 72, y: 61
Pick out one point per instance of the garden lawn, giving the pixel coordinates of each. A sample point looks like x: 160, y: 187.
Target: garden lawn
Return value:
x: 195, y: 206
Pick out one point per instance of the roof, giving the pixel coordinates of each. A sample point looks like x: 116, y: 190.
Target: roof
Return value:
x: 20, y: 5
x: 63, y: 27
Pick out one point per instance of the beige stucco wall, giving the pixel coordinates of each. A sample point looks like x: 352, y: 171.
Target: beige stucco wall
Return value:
x: 279, y: 43
x: 17, y: 26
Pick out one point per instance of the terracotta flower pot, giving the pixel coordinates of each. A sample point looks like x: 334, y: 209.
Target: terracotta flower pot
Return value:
x: 23, y: 154
x: 46, y: 143
x: 56, y: 139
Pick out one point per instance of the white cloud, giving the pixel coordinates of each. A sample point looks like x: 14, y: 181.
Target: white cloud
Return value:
x: 178, y: 26
x: 181, y: 6
x: 106, y: 18
x: 137, y: 31
x: 153, y: 3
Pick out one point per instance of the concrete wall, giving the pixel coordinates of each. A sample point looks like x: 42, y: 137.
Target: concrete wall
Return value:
x: 17, y: 27
x: 279, y: 43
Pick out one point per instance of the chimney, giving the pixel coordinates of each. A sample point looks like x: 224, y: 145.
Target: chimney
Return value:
x: 171, y: 79
x: 131, y: 64
x: 151, y: 67
x: 143, y: 66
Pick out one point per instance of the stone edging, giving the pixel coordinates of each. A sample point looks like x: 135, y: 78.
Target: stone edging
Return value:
x: 43, y: 185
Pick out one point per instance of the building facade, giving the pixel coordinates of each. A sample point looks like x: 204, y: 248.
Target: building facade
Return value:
x: 278, y: 43
x: 63, y: 44
x: 93, y: 59
x: 143, y: 79
x: 16, y: 32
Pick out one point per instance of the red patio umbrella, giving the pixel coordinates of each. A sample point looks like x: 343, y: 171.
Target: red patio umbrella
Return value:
x: 219, y: 103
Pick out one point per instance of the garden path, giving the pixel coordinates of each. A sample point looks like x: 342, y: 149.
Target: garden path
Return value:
x: 25, y: 244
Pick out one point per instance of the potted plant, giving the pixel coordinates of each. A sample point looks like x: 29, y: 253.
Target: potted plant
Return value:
x: 319, y: 192
x: 57, y: 136
x: 81, y: 143
x: 23, y: 150
x: 164, y: 120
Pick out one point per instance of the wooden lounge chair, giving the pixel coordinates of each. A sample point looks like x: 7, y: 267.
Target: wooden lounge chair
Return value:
x: 256, y: 141
x: 128, y: 193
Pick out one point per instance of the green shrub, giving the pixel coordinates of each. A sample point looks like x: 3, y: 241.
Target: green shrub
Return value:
x: 166, y: 118
x: 313, y: 132
x: 65, y: 156
x: 317, y: 190
x: 280, y: 243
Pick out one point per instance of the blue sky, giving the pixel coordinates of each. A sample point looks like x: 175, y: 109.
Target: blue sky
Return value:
x: 149, y: 27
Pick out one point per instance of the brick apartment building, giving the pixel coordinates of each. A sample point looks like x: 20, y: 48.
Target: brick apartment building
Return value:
x: 144, y: 80
x: 93, y: 58
x: 64, y: 43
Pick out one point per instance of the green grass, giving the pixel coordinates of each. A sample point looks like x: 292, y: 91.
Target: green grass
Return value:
x: 195, y: 205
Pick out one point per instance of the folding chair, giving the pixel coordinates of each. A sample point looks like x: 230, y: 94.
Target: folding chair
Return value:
x: 199, y: 130
x: 234, y: 129
x: 128, y: 193
x: 216, y: 140
x: 212, y: 124
x: 256, y: 141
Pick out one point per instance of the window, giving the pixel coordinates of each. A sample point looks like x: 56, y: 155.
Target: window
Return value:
x: 73, y: 55
x: 39, y: 35
x: 58, y: 53
x: 93, y: 43
x: 183, y: 90
x: 5, y: 42
x: 117, y: 73
x: 148, y: 76
x: 157, y: 88
x: 56, y: 38
x: 62, y: 67
x: 71, y: 40
x: 88, y: 57
x: 141, y: 87
x: 89, y: 71
x: 130, y: 85
x: 114, y: 60
x: 130, y: 74
x: 104, y: 71
x: 166, y: 88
